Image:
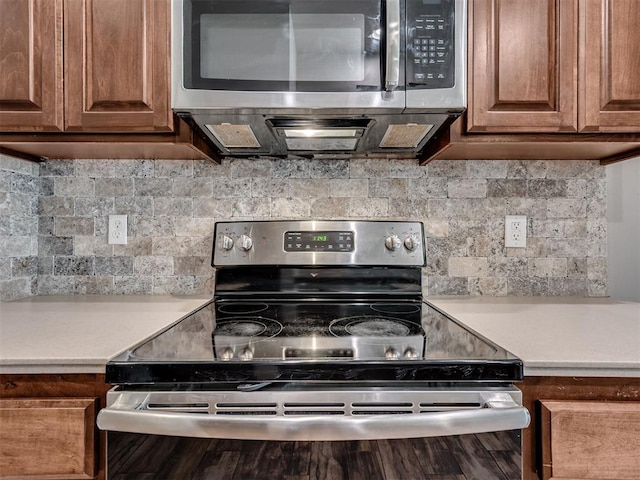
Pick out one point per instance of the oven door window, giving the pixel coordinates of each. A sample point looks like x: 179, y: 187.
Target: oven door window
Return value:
x: 291, y: 45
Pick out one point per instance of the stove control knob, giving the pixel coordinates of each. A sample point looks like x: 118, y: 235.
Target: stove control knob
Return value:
x: 245, y: 354
x: 226, y: 353
x: 410, y: 354
x: 391, y: 354
x: 411, y: 243
x: 393, y: 242
x: 245, y: 243
x: 225, y: 242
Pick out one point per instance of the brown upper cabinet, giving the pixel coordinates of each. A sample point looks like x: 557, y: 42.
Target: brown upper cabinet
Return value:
x: 31, y: 79
x: 549, y: 66
x: 85, y: 66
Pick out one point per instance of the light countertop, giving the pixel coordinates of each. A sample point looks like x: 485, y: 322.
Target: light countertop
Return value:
x: 79, y: 334
x: 562, y: 336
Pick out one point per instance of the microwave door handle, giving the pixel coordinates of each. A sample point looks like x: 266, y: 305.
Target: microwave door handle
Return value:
x: 392, y: 74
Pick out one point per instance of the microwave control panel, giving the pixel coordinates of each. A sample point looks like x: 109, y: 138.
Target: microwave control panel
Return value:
x: 430, y: 61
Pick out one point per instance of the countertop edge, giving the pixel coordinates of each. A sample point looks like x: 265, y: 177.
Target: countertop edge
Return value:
x: 581, y: 372
x: 52, y: 369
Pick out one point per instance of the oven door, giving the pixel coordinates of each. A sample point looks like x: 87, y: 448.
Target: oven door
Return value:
x: 286, y: 53
x: 320, y: 433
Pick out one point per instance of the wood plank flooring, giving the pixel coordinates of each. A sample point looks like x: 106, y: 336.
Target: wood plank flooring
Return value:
x: 487, y: 456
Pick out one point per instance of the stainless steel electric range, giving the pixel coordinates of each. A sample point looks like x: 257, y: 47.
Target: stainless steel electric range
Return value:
x: 317, y: 332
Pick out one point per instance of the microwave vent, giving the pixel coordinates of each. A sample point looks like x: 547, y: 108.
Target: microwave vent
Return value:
x: 404, y: 136
x: 234, y: 136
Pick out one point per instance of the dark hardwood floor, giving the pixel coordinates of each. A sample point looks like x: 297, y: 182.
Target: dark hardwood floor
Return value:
x: 487, y: 456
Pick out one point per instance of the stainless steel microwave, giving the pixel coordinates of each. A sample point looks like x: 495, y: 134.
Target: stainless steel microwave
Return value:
x: 317, y: 58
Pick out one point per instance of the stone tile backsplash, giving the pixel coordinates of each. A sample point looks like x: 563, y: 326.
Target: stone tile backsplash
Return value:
x: 60, y: 212
x: 19, y: 190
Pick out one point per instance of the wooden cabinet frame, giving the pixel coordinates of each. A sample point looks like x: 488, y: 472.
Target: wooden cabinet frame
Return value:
x: 117, y: 66
x: 554, y: 66
x: 586, y: 389
x: 53, y: 398
x: 85, y: 66
x: 511, y: 91
x: 591, y: 440
x: 48, y: 438
x: 31, y: 87
x: 114, y: 68
x: 609, y: 93
x: 553, y: 98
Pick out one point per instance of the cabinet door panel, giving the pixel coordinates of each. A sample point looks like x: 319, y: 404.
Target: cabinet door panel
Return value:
x: 610, y: 66
x: 48, y: 438
x: 117, y: 65
x: 590, y: 440
x: 31, y: 65
x: 523, y: 66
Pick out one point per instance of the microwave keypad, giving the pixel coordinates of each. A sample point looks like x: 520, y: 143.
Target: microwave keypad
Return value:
x: 430, y: 47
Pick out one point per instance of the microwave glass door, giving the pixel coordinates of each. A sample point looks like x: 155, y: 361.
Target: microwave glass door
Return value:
x: 290, y: 45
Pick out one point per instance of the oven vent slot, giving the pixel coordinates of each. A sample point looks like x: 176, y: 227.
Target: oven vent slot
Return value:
x: 291, y: 413
x: 444, y: 406
x: 381, y: 408
x: 180, y: 407
x: 244, y: 408
x: 313, y: 408
x: 381, y: 412
x: 246, y: 412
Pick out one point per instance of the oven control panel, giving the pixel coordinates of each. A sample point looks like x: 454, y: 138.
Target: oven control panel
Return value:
x: 319, y: 243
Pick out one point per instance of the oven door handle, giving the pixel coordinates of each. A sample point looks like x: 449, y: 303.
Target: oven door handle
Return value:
x: 496, y: 416
x: 392, y: 73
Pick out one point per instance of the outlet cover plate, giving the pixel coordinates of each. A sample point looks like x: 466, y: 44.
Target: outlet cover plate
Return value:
x: 117, y: 230
x: 515, y: 231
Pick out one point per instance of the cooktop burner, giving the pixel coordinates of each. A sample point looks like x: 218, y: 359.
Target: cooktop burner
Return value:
x: 397, y: 308
x: 375, y: 326
x: 242, y: 308
x: 248, y: 327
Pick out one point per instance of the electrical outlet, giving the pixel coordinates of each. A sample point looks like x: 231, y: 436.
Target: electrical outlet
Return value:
x: 118, y: 229
x: 515, y: 231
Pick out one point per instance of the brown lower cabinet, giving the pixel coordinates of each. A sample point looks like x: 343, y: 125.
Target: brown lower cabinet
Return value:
x: 48, y: 429
x: 581, y: 428
x: 590, y: 439
x: 48, y: 437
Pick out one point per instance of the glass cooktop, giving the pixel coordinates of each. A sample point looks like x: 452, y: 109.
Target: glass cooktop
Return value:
x: 246, y: 341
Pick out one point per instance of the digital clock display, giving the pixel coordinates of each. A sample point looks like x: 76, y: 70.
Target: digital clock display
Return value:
x: 319, y: 241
